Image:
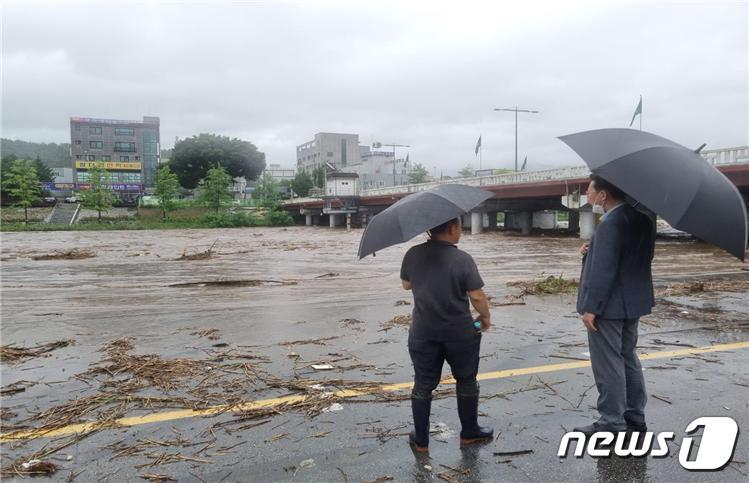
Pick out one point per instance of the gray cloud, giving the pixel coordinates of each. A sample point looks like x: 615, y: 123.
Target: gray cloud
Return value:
x: 425, y: 74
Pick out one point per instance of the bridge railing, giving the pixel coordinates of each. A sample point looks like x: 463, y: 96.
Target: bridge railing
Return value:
x: 569, y: 172
x: 735, y: 155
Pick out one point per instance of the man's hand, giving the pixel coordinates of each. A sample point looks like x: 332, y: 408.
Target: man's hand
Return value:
x: 584, y: 248
x: 486, y: 323
x: 406, y: 284
x: 590, y: 321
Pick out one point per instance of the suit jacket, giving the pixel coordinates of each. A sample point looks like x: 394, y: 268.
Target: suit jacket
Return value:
x: 616, y: 280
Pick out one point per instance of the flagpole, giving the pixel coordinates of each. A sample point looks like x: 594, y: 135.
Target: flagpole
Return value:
x: 481, y: 150
x: 640, y: 112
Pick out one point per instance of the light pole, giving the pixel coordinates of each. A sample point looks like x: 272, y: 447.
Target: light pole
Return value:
x: 379, y: 145
x: 516, y: 110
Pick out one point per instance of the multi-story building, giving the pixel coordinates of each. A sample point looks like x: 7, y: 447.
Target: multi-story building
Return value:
x: 341, y: 150
x: 129, y: 151
x: 378, y: 169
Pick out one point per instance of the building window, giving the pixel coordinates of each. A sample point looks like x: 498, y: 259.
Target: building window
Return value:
x: 94, y: 130
x: 124, y: 131
x: 330, y: 154
x: 91, y: 157
x: 96, y: 144
x: 77, y: 127
x: 124, y: 147
x: 124, y: 158
x: 106, y: 157
x: 137, y: 158
x: 78, y: 141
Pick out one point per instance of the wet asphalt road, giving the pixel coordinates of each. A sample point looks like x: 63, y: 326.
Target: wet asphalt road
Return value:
x: 132, y: 288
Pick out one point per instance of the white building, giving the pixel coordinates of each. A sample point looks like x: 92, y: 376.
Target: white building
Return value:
x: 342, y: 184
x: 338, y: 149
x: 376, y: 169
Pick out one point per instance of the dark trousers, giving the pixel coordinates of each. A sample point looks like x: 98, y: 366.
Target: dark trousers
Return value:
x: 428, y: 357
x: 617, y: 372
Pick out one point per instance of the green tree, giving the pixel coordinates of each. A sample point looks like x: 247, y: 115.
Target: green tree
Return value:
x: 302, y: 183
x: 167, y: 189
x: 418, y: 174
x: 99, y: 196
x: 22, y: 184
x: 54, y: 155
x: 285, y: 192
x: 318, y: 177
x: 45, y: 173
x: 192, y: 158
x: 266, y: 191
x: 467, y: 172
x: 214, y: 188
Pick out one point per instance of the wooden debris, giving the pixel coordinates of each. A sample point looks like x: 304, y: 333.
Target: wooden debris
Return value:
x: 513, y: 453
x: 72, y: 254
x: 204, y: 255
x: 13, y: 353
x: 551, y: 285
x: 397, y: 321
x: 212, y: 334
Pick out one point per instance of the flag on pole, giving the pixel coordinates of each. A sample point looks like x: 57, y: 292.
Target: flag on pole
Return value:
x: 406, y: 159
x: 638, y: 111
x: 525, y: 163
x: 478, y: 145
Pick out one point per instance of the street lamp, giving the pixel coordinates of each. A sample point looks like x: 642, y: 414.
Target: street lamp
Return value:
x: 516, y: 110
x: 379, y: 145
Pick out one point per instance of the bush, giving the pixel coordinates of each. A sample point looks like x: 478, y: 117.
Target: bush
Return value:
x: 229, y: 220
x: 278, y: 218
x: 106, y: 219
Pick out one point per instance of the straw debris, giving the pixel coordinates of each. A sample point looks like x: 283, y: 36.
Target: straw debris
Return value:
x: 13, y: 354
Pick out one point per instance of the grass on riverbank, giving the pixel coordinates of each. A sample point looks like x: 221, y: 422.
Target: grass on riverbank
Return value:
x: 222, y: 220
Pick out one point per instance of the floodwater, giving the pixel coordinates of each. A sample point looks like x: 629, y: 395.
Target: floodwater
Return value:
x: 283, y: 296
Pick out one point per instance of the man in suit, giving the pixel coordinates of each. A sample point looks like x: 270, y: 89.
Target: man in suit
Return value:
x: 616, y: 289
x: 444, y: 279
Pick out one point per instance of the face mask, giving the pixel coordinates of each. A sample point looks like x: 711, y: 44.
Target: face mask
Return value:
x: 598, y: 209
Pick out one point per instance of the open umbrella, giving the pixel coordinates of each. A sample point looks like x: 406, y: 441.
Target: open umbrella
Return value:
x: 418, y: 213
x: 671, y: 180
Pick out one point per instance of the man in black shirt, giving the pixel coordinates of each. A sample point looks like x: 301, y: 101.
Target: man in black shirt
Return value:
x: 443, y: 280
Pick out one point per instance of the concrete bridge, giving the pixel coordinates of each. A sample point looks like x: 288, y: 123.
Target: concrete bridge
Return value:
x: 527, y: 199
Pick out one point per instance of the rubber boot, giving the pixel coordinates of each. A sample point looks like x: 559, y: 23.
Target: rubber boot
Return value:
x: 419, y: 437
x: 471, y: 432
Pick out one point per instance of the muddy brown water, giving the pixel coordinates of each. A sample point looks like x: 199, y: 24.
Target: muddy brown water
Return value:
x: 265, y: 287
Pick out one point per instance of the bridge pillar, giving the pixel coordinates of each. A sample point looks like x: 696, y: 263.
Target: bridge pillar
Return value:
x: 492, y: 223
x: 348, y: 221
x: 333, y: 220
x: 308, y: 220
x: 573, y: 225
x: 477, y: 223
x: 525, y: 222
x: 587, y: 224
x: 315, y: 220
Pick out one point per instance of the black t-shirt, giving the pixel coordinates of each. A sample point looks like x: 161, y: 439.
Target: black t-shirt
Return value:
x: 440, y: 275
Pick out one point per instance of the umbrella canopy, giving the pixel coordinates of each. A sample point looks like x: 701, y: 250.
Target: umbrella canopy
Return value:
x: 418, y: 213
x: 673, y: 181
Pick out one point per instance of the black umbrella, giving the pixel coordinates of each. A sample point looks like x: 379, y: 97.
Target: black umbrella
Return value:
x: 418, y: 213
x: 673, y: 181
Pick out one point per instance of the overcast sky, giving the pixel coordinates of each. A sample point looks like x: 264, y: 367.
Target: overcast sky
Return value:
x: 425, y: 74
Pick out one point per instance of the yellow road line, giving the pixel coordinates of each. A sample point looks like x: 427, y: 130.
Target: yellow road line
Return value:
x: 346, y: 393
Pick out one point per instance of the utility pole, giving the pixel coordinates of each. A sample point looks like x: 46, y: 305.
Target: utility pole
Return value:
x: 516, y: 110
